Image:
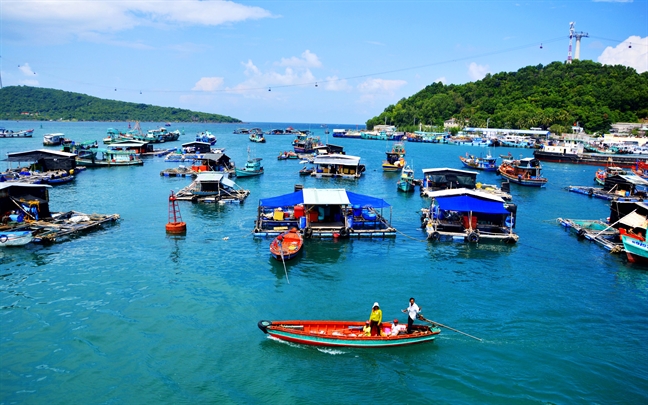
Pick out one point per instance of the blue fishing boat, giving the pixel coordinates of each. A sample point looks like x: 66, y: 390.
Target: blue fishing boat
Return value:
x: 252, y: 167
x: 19, y: 238
x: 257, y: 137
x: 525, y: 172
x: 406, y: 183
x: 487, y: 163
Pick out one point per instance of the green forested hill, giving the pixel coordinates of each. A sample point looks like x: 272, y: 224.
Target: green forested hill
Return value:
x: 50, y: 104
x: 552, y: 97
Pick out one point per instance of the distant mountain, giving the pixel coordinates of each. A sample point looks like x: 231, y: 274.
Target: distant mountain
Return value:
x: 39, y: 104
x: 552, y: 97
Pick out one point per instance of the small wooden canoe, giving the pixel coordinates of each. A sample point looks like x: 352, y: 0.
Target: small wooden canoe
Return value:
x: 287, y: 245
x: 343, y: 334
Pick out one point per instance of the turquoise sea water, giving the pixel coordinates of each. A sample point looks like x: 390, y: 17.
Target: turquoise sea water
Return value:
x: 129, y: 314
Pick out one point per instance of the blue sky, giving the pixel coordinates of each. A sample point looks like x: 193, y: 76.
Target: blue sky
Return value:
x: 335, y: 61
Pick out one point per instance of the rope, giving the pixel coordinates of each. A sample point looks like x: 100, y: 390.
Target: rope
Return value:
x: 411, y: 237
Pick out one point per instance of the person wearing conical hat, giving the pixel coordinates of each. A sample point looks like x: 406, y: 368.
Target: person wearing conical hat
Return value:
x: 375, y: 319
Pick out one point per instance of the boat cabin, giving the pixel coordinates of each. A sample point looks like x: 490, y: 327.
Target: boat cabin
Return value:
x: 54, y: 139
x: 44, y: 160
x: 626, y: 185
x: 213, y: 162
x: 329, y: 149
x: 324, y: 213
x: 337, y: 165
x: 469, y: 216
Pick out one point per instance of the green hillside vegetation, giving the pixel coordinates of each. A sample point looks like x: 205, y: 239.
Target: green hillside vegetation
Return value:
x: 552, y: 97
x: 38, y: 104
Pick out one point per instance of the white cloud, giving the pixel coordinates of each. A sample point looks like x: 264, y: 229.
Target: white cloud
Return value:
x: 334, y: 83
x: 26, y: 69
x: 635, y: 56
x: 209, y: 84
x: 261, y: 80
x: 381, y: 86
x: 477, y: 72
x: 307, y: 60
x: 62, y: 20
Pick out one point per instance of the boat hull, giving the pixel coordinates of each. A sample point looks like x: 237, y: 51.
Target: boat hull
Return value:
x: 342, y: 334
x: 15, y: 238
x: 287, y: 245
x: 636, y: 250
x: 626, y: 161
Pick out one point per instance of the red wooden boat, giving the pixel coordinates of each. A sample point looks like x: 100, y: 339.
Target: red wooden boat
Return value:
x: 343, y: 333
x: 287, y: 245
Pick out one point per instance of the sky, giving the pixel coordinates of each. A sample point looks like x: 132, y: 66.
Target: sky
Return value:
x: 301, y: 61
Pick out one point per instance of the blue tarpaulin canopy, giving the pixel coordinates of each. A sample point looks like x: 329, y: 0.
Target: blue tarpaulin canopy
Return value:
x: 466, y: 203
x: 297, y: 197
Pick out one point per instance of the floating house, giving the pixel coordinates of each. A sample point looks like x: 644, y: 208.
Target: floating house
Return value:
x: 321, y: 213
x: 25, y: 207
x: 469, y: 216
x: 212, y: 187
x: 622, y: 187
x: 44, y: 160
x: 101, y: 157
x: 445, y: 178
x: 336, y: 165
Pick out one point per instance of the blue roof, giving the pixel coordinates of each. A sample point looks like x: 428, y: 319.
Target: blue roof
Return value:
x: 465, y: 203
x: 297, y: 197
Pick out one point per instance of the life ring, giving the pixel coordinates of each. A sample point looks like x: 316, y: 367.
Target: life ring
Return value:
x: 4, y: 238
x: 581, y: 233
x: 308, y: 232
x: 590, y: 192
x: 473, y: 237
x: 344, y: 232
x: 263, y: 325
x: 435, y: 235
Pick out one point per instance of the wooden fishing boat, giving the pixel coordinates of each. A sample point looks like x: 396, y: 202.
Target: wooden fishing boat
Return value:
x: 343, y: 334
x: 393, y: 163
x: 636, y: 249
x: 252, y: 168
x: 487, y: 164
x: 257, y: 137
x: 406, y: 183
x: 525, y: 172
x: 19, y: 238
x: 286, y: 245
x: 398, y: 149
x: 602, y: 174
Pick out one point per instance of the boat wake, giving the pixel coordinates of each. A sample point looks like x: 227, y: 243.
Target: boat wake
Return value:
x: 326, y: 350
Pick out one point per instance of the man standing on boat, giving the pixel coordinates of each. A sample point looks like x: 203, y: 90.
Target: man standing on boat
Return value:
x: 412, y: 311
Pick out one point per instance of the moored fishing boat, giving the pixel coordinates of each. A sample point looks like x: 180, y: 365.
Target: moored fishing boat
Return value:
x: 207, y: 137
x: 286, y: 245
x: 99, y: 157
x: 406, y: 183
x: 525, y: 172
x: 257, y: 137
x: 26, y: 133
x: 54, y: 139
x: 487, y: 163
x: 19, y: 238
x: 398, y: 149
x: 601, y: 174
x: 212, y: 187
x: 252, y: 167
x: 393, y: 163
x: 344, y: 333
x: 636, y: 249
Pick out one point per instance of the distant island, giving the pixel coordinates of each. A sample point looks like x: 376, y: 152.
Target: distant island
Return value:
x: 25, y: 103
x: 552, y: 97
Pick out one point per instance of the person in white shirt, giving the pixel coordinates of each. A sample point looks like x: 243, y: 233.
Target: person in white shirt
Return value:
x: 412, y: 311
x: 396, y: 328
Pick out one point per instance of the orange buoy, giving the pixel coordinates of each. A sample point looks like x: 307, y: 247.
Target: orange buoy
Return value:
x: 175, y: 224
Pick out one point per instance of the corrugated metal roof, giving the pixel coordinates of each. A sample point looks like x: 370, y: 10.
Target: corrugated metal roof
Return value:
x: 442, y: 169
x: 318, y: 196
x: 34, y: 155
x: 336, y: 159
